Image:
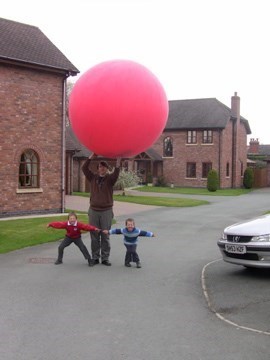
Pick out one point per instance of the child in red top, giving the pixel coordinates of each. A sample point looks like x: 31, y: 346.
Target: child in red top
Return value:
x: 73, y: 235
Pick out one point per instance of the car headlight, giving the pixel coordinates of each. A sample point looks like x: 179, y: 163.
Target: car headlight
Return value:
x: 261, y: 238
x: 223, y: 236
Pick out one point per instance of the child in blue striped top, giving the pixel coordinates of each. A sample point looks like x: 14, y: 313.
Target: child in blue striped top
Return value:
x: 131, y: 234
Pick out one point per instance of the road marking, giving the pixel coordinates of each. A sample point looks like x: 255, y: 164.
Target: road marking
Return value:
x: 211, y: 307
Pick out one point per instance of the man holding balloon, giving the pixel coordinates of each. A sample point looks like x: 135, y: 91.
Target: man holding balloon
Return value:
x: 101, y: 206
x: 117, y: 109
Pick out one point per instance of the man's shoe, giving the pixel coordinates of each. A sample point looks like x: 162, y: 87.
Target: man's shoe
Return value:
x: 91, y: 262
x: 95, y: 261
x: 106, y: 262
x: 58, y: 262
x: 127, y: 265
x: 139, y: 265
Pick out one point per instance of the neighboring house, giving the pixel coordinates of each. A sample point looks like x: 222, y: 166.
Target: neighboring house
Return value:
x: 259, y: 160
x: 200, y: 135
x: 204, y: 134
x: 257, y: 151
x: 33, y: 75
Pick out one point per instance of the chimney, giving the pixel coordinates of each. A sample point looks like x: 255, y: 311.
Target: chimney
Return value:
x: 253, y: 146
x: 235, y: 106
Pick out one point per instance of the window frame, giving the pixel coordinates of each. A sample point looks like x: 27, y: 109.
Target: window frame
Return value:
x: 29, y: 170
x: 165, y: 152
x: 191, y: 173
x: 192, y: 137
x: 227, y: 169
x: 207, y: 137
x: 206, y: 167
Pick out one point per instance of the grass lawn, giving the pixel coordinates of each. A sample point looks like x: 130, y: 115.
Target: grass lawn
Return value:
x: 21, y: 233
x: 160, y: 201
x: 154, y: 200
x: 193, y: 191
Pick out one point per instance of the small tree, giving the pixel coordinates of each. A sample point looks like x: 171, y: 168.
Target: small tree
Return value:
x: 212, y: 180
x: 127, y: 179
x: 248, y: 178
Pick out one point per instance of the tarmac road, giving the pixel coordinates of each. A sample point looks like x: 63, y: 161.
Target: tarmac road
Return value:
x: 71, y: 311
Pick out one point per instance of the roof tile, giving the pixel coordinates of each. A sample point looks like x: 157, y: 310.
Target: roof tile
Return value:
x: 27, y: 43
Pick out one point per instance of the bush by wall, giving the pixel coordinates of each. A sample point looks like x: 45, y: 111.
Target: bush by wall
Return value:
x: 212, y: 180
x: 248, y: 178
x: 126, y: 179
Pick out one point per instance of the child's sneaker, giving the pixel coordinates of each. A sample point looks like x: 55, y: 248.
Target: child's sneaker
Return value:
x: 58, y: 262
x: 139, y: 265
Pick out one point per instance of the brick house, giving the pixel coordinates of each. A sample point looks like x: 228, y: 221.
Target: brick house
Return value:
x: 33, y: 75
x: 200, y: 134
x: 259, y: 159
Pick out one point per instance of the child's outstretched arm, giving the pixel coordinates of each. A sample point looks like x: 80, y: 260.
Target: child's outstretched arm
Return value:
x: 58, y: 225
x: 113, y: 232
x: 87, y: 227
x: 146, y: 233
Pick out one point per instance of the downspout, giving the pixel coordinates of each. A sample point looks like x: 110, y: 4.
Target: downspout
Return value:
x: 235, y: 118
x: 63, y: 145
x: 79, y: 176
x: 219, y: 156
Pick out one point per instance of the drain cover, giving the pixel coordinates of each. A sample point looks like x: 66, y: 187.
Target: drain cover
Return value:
x: 41, y: 260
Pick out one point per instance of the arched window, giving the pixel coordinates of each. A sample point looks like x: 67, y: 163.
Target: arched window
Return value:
x: 29, y: 169
x: 167, y: 147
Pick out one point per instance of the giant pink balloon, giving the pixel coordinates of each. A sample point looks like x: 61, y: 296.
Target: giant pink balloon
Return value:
x: 118, y: 108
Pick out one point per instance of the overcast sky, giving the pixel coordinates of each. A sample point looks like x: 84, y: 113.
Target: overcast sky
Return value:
x: 197, y: 48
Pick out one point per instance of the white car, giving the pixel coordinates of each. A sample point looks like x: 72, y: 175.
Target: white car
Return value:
x: 247, y: 243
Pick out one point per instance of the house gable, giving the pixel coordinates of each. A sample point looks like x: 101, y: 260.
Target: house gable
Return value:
x: 26, y: 45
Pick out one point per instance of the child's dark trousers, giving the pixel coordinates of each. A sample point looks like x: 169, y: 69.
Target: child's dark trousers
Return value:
x: 131, y: 254
x: 78, y: 242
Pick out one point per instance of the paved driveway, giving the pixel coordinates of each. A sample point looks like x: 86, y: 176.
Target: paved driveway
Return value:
x: 157, y: 312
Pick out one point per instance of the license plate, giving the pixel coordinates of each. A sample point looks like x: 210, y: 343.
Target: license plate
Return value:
x: 235, y: 249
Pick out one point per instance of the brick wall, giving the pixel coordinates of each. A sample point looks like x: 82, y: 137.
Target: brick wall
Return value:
x: 31, y: 117
x: 174, y: 168
x: 219, y: 153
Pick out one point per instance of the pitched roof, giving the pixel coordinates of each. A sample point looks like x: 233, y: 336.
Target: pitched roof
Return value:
x: 262, y: 150
x: 207, y: 113
x: 153, y: 154
x: 73, y: 144
x: 21, y: 43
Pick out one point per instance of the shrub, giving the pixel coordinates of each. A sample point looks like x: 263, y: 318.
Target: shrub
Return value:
x: 160, y: 181
x: 149, y: 179
x: 126, y: 179
x: 212, y: 180
x: 248, y: 178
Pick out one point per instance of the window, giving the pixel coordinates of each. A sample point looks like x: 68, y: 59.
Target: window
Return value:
x: 227, y: 169
x: 242, y: 168
x: 167, y: 147
x: 29, y: 170
x: 192, y: 137
x: 207, y: 137
x: 191, y: 170
x: 206, y: 167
